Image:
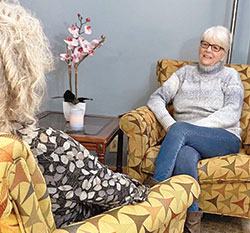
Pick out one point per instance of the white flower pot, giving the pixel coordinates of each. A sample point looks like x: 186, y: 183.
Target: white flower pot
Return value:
x: 68, y: 106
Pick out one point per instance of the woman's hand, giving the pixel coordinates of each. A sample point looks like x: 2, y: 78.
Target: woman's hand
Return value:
x: 168, y: 128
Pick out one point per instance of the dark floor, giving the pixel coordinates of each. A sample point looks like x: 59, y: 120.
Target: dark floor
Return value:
x: 223, y: 224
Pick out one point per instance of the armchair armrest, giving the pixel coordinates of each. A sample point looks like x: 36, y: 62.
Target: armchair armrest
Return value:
x: 245, y: 135
x: 143, y: 131
x: 24, y: 201
x: 165, y: 209
x: 142, y: 122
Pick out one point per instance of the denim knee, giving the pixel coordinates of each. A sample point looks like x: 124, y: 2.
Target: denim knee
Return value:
x: 187, y: 161
x: 179, y: 127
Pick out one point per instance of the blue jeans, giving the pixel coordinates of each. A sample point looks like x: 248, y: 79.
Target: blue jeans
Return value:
x: 185, y: 144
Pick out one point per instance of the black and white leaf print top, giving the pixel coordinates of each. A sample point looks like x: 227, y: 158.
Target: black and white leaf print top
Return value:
x: 78, y: 184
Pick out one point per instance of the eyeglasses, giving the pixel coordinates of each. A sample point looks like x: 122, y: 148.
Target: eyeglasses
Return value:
x: 214, y: 47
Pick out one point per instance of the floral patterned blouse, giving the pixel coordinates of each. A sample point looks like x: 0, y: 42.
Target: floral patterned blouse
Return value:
x: 78, y: 184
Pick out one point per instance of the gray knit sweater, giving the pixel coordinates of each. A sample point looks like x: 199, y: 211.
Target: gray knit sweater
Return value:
x: 210, y: 96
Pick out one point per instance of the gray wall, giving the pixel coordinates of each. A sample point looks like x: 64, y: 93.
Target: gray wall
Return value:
x: 121, y: 74
x: 248, y: 61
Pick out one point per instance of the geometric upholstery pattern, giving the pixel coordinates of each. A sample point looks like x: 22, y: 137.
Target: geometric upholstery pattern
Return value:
x: 24, y: 189
x: 162, y: 212
x: 224, y: 181
x: 25, y: 205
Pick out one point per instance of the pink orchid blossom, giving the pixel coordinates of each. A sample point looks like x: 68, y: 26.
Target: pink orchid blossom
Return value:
x: 64, y: 57
x: 78, y: 48
x: 80, y: 53
x: 87, y: 29
x: 81, y: 38
x: 95, y: 43
x: 91, y: 52
x: 86, y: 46
x: 74, y: 31
x: 76, y: 57
x: 71, y: 42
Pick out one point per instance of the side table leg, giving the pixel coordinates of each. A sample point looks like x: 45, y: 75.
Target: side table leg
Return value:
x: 101, y: 158
x: 119, y: 151
x: 101, y: 151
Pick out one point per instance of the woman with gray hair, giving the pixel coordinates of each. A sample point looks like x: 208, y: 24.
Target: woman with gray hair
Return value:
x: 207, y: 100
x: 78, y: 184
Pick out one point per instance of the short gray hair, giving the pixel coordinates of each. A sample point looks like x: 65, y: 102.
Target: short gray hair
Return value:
x: 220, y: 35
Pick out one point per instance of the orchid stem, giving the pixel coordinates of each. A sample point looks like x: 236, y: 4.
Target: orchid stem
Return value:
x: 76, y: 81
x: 70, y: 77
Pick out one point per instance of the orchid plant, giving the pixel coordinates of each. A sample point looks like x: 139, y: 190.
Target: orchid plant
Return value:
x: 78, y: 49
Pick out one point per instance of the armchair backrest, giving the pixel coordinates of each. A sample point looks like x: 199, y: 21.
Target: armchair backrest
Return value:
x: 165, y: 68
x: 24, y: 201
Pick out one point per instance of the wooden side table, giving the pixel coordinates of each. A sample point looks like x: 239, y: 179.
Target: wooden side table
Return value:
x: 98, y: 132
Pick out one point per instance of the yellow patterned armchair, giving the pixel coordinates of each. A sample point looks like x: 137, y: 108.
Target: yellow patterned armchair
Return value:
x: 25, y: 205
x: 224, y: 181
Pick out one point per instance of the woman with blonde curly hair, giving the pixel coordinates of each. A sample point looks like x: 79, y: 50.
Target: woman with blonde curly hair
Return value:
x: 25, y: 56
x: 79, y: 186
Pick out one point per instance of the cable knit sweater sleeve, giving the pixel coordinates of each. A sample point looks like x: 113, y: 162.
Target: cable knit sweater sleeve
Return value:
x: 230, y: 113
x: 162, y: 96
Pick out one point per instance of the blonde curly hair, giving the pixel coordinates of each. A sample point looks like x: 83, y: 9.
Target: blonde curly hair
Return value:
x: 24, y: 58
